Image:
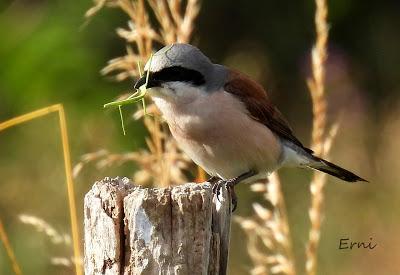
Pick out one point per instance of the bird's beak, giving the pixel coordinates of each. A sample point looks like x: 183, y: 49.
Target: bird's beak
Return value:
x: 151, y: 82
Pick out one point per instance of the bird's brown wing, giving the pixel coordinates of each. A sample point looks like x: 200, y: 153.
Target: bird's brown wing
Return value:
x: 259, y: 106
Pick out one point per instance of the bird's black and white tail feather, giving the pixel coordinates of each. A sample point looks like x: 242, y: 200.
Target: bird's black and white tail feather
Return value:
x: 333, y: 170
x: 297, y: 156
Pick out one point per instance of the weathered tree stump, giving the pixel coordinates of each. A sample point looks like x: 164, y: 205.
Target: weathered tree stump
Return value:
x: 178, y: 230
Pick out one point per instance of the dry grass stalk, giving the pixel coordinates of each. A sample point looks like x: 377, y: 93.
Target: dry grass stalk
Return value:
x: 174, y: 24
x: 59, y: 109
x: 10, y: 252
x: 163, y: 163
x: 316, y: 83
x: 149, y: 169
x: 53, y: 235
x: 44, y: 227
x: 320, y: 144
x: 269, y: 242
x: 315, y: 211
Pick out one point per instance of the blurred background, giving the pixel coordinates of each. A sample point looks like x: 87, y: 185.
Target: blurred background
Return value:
x: 50, y: 54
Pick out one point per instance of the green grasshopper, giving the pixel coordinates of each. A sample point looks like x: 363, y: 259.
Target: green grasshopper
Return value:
x: 139, y: 95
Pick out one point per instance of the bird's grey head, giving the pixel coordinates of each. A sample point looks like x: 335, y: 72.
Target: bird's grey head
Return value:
x: 180, y: 66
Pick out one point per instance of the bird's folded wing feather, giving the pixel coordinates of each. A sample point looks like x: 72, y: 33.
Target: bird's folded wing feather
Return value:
x: 259, y: 106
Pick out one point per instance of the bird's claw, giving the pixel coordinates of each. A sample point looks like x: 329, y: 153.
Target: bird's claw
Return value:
x: 230, y: 186
x: 217, y: 188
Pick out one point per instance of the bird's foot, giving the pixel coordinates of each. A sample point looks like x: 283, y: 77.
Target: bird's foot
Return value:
x: 230, y: 186
x: 217, y: 187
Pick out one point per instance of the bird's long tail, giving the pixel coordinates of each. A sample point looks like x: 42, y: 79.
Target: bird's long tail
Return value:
x: 333, y: 170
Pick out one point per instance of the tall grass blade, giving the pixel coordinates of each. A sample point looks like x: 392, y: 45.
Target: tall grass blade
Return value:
x: 9, y: 250
x: 68, y: 171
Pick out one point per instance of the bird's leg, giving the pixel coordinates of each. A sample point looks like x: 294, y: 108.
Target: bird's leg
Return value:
x: 230, y: 185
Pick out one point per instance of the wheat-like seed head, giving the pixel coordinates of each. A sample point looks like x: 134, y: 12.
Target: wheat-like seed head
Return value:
x: 44, y: 227
x: 163, y: 163
x: 315, y: 211
x: 268, y: 237
x: 316, y: 82
x: 319, y: 144
x: 55, y: 237
x: 175, y: 23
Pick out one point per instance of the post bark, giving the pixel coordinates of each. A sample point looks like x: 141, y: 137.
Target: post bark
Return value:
x: 173, y: 231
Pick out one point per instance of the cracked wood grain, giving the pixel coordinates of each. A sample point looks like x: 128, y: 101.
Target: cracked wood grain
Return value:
x: 103, y: 225
x: 178, y: 230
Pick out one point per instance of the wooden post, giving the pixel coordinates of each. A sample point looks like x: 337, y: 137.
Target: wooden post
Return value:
x: 104, y: 226
x: 173, y: 231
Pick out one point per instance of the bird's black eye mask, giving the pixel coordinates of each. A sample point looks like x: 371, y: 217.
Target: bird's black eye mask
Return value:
x: 178, y: 73
x: 170, y: 74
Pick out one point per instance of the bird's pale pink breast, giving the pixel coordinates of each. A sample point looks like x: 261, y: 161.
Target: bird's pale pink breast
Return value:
x: 218, y: 134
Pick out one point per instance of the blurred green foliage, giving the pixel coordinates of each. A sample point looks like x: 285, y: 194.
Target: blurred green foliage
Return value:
x: 49, y: 54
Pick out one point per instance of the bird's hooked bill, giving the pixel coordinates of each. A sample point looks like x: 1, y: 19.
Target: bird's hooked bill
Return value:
x: 150, y: 82
x: 140, y: 82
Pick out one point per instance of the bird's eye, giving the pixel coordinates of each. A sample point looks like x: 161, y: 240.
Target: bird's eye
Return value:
x: 178, y: 73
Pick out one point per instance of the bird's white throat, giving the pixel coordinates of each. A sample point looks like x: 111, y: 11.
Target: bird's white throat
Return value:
x: 174, y: 97
x: 178, y: 92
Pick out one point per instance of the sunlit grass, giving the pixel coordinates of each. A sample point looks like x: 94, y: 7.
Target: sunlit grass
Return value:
x: 59, y: 109
x: 9, y: 250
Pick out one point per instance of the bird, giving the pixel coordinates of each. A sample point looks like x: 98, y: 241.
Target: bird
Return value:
x: 224, y: 121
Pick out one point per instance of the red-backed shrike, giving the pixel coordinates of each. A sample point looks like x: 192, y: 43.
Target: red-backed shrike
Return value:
x: 224, y: 121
